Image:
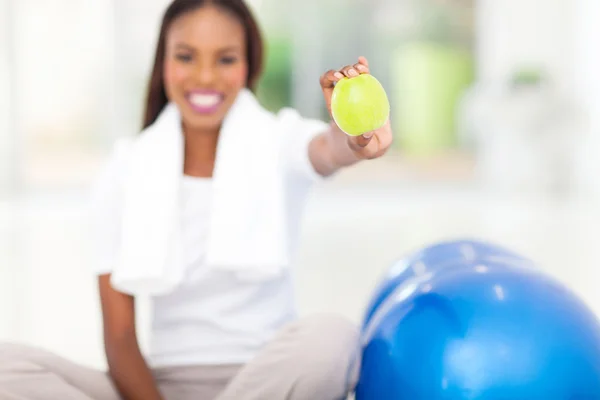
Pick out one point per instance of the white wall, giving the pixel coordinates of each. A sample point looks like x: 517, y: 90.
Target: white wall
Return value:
x: 514, y: 33
x: 7, y: 136
x: 587, y: 85
x: 562, y: 37
x: 7, y: 311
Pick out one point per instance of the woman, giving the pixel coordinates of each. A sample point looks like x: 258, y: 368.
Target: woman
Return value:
x: 215, y: 333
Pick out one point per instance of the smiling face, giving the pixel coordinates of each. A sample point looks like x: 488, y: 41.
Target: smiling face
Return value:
x: 205, y: 66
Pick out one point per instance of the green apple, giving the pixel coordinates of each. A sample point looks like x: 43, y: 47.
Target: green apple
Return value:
x: 359, y: 104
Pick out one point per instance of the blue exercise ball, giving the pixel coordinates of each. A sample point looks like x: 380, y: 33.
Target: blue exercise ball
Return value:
x: 484, y: 331
x: 432, y: 259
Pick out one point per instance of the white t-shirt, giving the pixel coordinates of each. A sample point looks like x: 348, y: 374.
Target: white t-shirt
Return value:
x: 213, y: 317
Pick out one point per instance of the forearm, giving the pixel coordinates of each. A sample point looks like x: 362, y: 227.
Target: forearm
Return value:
x: 330, y: 151
x: 129, y: 370
x: 333, y: 149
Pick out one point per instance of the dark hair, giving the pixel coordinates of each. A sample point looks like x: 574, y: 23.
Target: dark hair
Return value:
x: 157, y: 97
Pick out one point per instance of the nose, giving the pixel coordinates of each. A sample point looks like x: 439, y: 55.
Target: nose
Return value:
x: 205, y: 74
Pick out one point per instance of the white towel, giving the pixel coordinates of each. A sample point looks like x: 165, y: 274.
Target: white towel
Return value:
x: 248, y: 227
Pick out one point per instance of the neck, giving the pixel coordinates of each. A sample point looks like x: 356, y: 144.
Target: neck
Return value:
x: 200, y: 151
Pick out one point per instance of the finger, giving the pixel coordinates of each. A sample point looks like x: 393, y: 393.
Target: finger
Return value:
x: 365, y: 148
x: 327, y: 81
x: 329, y: 78
x: 363, y: 69
x: 349, y: 71
x: 363, y: 60
x: 358, y: 143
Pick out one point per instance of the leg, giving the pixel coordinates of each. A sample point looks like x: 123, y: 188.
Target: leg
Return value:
x: 312, y: 359
x: 203, y: 382
x: 28, y: 373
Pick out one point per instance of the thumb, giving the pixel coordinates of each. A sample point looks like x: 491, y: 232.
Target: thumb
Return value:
x: 328, y: 81
x: 359, y: 142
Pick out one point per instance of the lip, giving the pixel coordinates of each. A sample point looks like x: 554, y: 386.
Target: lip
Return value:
x: 205, y: 109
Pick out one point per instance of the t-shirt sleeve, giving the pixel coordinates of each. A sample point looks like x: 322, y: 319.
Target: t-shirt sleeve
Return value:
x: 297, y: 135
x: 105, y: 205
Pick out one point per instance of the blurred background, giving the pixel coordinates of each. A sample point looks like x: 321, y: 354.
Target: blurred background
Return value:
x: 495, y: 108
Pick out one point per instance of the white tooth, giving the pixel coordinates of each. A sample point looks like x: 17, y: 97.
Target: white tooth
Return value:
x: 204, y: 100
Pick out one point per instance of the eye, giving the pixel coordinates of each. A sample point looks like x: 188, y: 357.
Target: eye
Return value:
x: 184, y: 57
x: 228, y: 60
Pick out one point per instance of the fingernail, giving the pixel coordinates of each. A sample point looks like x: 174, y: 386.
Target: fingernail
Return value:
x: 367, y: 135
x: 352, y: 72
x: 338, y: 75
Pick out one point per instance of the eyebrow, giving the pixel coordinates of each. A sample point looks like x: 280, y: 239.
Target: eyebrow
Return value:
x: 229, y: 48
x: 221, y: 50
x: 184, y: 46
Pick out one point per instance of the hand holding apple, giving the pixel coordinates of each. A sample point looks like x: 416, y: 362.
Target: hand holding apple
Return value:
x: 360, y: 108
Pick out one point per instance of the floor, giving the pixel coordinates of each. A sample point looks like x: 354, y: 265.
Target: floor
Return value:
x: 354, y: 229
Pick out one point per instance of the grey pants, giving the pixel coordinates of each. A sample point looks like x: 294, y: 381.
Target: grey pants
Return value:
x: 316, y: 358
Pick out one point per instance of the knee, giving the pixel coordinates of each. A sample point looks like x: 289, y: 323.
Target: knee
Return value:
x: 21, y: 352
x: 332, y: 332
x: 8, y: 351
x: 328, y: 358
x: 17, y: 358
